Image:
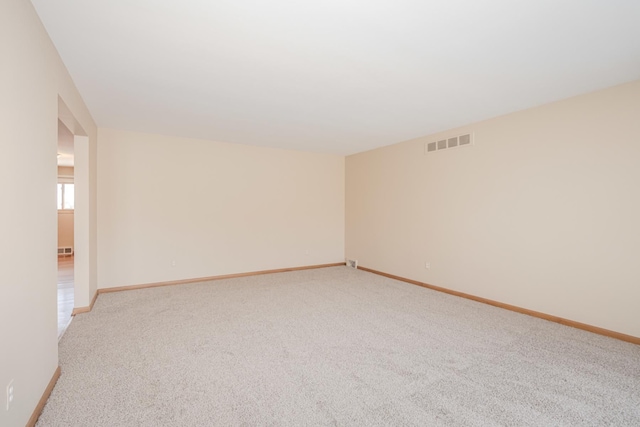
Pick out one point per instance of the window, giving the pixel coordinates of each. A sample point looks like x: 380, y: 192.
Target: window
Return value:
x: 65, y: 196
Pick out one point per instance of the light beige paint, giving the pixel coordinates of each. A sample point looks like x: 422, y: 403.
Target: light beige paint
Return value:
x: 84, y: 270
x: 542, y: 212
x: 65, y: 229
x: 65, y: 172
x: 215, y: 208
x: 32, y: 77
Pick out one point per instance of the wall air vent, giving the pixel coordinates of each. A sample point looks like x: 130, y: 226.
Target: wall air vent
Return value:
x: 65, y: 251
x: 465, y: 139
x: 352, y: 263
x: 445, y: 144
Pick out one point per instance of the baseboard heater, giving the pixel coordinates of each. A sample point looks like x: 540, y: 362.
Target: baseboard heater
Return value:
x: 67, y: 250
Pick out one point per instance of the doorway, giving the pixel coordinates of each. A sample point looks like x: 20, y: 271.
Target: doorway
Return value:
x: 66, y: 220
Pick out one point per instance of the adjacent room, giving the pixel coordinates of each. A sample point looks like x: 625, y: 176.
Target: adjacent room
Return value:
x: 66, y: 202
x: 330, y: 213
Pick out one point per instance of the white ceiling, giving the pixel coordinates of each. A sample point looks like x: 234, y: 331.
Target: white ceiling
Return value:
x: 334, y: 76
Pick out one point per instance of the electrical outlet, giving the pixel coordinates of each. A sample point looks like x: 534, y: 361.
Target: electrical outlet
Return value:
x: 9, y: 394
x: 427, y: 265
x: 306, y: 252
x: 173, y: 263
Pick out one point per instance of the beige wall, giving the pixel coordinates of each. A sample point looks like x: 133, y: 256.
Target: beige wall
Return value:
x: 542, y: 213
x: 32, y: 77
x: 65, y: 229
x: 65, y: 171
x: 214, y: 208
x: 84, y: 218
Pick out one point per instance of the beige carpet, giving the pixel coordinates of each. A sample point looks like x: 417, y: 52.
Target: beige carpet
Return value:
x: 332, y: 346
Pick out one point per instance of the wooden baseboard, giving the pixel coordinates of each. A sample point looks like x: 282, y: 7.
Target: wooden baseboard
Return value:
x: 206, y: 279
x: 556, y: 319
x: 43, y: 400
x: 79, y: 310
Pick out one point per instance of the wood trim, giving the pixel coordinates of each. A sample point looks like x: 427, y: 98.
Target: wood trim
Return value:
x: 549, y: 317
x: 224, y: 276
x: 79, y: 310
x: 43, y: 400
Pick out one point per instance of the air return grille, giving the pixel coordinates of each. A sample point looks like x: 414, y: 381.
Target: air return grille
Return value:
x: 446, y: 144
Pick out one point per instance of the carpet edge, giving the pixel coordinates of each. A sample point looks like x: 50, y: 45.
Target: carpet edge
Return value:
x: 209, y: 278
x: 566, y: 322
x: 43, y: 399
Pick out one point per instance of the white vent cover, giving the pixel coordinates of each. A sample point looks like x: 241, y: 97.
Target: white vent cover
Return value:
x: 352, y: 263
x: 445, y: 144
x: 65, y: 251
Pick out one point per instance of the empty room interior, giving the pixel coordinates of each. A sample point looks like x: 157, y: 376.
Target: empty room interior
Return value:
x: 320, y: 213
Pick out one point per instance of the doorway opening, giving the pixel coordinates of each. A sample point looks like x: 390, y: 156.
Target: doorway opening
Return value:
x: 66, y: 238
